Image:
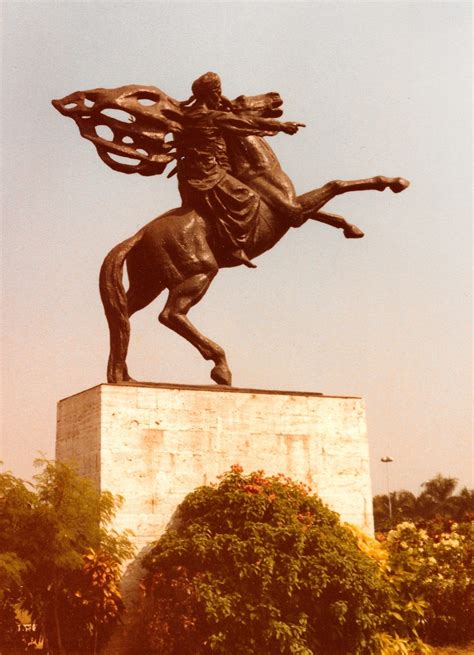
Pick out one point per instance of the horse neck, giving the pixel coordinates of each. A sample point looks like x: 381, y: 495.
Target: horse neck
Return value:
x: 251, y: 156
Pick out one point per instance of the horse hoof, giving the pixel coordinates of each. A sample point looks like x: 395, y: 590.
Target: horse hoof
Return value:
x: 221, y: 375
x: 353, y: 232
x: 400, y: 184
x: 127, y: 380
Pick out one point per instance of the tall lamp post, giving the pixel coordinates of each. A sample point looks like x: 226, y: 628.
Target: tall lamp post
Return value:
x: 387, y: 460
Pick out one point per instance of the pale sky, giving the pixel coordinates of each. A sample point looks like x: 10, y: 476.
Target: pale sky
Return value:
x: 384, y: 88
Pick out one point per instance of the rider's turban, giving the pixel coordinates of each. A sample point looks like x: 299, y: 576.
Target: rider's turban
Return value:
x: 205, y: 83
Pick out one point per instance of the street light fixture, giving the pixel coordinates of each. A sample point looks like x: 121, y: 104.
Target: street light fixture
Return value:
x: 387, y: 460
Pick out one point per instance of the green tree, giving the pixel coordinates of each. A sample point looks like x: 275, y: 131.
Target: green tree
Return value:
x: 66, y: 562
x: 463, y: 505
x: 437, y: 499
x: 404, y: 507
x: 257, y: 565
x: 16, y: 501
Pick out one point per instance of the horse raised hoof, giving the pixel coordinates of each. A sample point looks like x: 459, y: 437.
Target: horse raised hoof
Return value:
x: 221, y: 375
x: 399, y: 184
x: 353, y: 232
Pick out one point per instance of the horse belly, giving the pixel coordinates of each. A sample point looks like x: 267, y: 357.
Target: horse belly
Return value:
x: 174, y: 247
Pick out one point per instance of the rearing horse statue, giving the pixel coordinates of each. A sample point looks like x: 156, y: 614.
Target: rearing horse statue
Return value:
x: 181, y: 250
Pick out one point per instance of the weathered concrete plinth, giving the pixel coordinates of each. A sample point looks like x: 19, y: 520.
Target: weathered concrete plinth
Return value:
x: 154, y: 443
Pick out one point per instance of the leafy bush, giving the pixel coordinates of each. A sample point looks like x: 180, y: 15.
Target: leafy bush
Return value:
x: 432, y: 569
x: 257, y: 565
x: 400, y: 634
x: 58, y: 561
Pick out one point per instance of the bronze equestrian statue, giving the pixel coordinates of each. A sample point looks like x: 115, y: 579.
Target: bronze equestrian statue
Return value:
x: 236, y: 200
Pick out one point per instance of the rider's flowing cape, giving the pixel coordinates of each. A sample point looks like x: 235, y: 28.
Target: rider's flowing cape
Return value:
x: 136, y: 124
x: 132, y: 126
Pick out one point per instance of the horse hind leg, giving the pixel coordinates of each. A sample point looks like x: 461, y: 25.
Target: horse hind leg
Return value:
x: 174, y: 315
x: 138, y: 297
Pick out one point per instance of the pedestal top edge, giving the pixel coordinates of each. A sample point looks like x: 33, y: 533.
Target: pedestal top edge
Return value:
x: 213, y: 388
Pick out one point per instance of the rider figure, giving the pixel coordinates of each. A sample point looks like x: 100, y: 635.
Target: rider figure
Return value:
x: 204, y: 173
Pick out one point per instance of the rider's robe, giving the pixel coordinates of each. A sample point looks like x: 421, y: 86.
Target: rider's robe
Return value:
x: 205, y: 175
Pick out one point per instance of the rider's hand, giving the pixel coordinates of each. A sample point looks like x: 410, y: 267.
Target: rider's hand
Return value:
x: 292, y: 128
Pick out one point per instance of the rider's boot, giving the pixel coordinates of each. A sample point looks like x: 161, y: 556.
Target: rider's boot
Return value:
x: 241, y: 256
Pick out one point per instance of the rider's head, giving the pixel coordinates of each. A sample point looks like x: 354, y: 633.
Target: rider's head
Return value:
x: 208, y: 88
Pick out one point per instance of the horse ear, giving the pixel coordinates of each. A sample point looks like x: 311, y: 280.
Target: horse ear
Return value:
x: 187, y: 102
x: 226, y: 103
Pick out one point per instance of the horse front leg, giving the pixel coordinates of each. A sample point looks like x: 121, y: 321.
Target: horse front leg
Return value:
x: 174, y: 315
x: 377, y: 183
x: 314, y: 200
x: 335, y: 220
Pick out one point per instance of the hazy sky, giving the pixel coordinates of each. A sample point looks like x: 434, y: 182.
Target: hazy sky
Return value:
x: 384, y: 88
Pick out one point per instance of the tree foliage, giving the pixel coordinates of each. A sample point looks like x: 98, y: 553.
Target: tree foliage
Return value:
x: 16, y: 500
x: 437, y: 499
x: 257, y: 565
x: 58, y: 559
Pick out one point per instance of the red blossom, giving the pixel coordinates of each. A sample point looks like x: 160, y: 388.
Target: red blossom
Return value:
x: 252, y: 488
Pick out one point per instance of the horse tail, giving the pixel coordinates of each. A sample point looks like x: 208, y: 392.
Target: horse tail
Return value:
x: 114, y: 300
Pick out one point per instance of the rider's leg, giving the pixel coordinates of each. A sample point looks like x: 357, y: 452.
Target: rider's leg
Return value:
x: 233, y: 246
x: 232, y: 206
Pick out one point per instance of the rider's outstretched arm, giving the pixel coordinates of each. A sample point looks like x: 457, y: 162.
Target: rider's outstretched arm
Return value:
x: 250, y: 125
x: 279, y: 126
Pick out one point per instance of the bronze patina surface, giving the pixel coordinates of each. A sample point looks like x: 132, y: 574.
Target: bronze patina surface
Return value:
x: 236, y: 200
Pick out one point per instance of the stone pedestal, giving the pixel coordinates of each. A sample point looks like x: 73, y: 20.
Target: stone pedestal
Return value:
x: 154, y: 443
